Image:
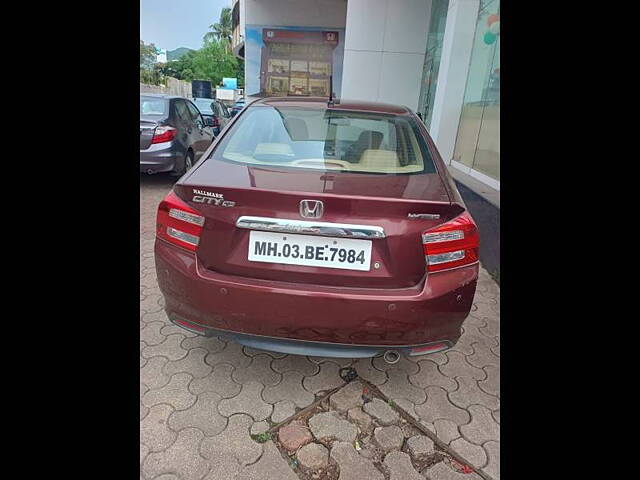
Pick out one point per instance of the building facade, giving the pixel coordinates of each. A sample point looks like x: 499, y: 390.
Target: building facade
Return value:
x: 441, y: 58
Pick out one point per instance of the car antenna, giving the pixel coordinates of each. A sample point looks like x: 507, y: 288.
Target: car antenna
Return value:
x: 330, y: 103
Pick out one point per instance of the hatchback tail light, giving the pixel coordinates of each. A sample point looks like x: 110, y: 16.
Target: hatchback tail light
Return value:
x: 163, y: 134
x: 178, y: 223
x: 452, y: 244
x: 216, y: 121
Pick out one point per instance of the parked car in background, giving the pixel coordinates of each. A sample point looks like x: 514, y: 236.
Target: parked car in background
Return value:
x: 316, y: 229
x: 239, y: 105
x: 173, y: 134
x: 216, y: 110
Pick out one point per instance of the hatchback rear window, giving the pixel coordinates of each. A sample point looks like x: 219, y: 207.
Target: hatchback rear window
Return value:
x: 328, y: 140
x: 153, y: 106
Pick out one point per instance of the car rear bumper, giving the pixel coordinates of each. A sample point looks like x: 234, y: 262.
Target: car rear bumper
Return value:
x: 161, y: 157
x: 312, y: 319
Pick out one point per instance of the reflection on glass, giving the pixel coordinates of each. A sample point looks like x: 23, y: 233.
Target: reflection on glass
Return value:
x: 432, y: 59
x: 478, y: 141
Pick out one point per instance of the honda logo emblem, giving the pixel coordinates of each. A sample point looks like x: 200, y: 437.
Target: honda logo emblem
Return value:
x: 311, y: 208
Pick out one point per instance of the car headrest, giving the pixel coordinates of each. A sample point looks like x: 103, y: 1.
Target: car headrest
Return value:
x: 297, y: 128
x: 370, y: 138
x: 380, y: 160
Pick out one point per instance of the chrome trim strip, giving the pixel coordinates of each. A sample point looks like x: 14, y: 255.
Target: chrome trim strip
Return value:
x: 326, y: 229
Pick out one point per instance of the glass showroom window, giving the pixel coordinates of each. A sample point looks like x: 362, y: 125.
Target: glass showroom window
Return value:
x: 432, y: 59
x: 478, y: 141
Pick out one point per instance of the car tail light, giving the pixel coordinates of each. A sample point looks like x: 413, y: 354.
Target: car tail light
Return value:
x: 163, y: 134
x: 216, y: 121
x: 178, y: 223
x: 452, y: 244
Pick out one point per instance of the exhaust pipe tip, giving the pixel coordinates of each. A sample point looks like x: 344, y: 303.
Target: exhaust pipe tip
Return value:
x: 391, y: 357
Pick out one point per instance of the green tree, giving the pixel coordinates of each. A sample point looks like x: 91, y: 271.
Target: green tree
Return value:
x: 222, y: 30
x: 147, y: 55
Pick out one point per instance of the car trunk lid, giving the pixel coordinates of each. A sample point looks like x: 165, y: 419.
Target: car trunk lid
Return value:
x: 402, y: 206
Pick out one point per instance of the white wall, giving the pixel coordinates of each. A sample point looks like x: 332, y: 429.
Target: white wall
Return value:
x: 295, y: 13
x: 385, y: 43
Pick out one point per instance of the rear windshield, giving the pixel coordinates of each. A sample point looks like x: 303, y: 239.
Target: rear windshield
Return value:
x: 327, y: 140
x: 204, y: 105
x: 153, y: 106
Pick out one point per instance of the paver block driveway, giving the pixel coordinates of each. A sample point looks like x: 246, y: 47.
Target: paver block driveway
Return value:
x: 197, y: 394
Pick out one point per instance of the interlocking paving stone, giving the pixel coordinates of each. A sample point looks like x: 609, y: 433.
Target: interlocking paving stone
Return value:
x: 352, y: 465
x: 192, y: 364
x: 457, y: 366
x: 400, y: 467
x: 152, y: 374
x: 295, y: 363
x: 181, y: 458
x: 496, y: 415
x: 389, y: 438
x: 348, y: 397
x: 438, y: 406
x: 202, y: 415
x: 330, y: 426
x: 381, y: 411
x: 154, y: 431
x: 259, y: 370
x: 231, y: 354
x: 248, y: 401
x: 218, y: 381
x: 398, y: 386
x: 170, y: 348
x: 259, y: 427
x: 154, y: 317
x: 169, y: 329
x: 252, y: 352
x: 234, y: 441
x: 492, y: 329
x: 491, y: 384
x: 151, y: 304
x: 365, y: 369
x: 174, y: 393
x: 313, y: 456
x: 482, y: 356
x: 493, y: 465
x: 144, y: 450
x: 210, y: 344
x: 341, y: 362
x: 446, y: 430
x: 404, y: 365
x: 150, y: 334
x: 290, y: 388
x: 143, y: 410
x: 270, y: 466
x: 442, y: 471
x: 482, y: 426
x: 496, y: 350
x: 420, y: 446
x: 326, y: 379
x: 408, y: 406
x: 468, y: 393
x: 429, y: 375
x: 283, y: 410
x: 357, y: 416
x: 474, y: 454
x: 294, y: 435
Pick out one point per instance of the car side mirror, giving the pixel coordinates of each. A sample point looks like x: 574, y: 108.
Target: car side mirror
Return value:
x: 208, y: 122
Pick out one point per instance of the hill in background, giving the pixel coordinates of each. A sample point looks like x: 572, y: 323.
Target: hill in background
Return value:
x: 177, y: 53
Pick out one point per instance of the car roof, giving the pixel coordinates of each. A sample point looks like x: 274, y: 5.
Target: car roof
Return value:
x: 340, y: 104
x: 160, y: 95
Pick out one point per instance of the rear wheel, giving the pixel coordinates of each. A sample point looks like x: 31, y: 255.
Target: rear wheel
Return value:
x: 186, y: 165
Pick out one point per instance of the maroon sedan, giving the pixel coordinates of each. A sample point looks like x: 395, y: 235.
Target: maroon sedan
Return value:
x: 322, y: 229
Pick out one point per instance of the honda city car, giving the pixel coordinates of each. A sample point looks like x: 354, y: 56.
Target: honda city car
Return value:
x: 320, y: 228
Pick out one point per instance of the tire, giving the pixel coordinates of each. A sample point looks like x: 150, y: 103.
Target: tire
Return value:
x: 186, y: 165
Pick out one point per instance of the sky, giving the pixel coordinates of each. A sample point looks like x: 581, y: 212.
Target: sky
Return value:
x: 170, y: 24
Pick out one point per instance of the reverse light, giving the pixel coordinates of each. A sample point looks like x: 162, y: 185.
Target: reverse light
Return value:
x: 163, y: 134
x: 452, y: 244
x: 178, y: 223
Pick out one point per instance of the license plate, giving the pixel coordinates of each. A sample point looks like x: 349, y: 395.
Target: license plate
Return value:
x: 309, y: 250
